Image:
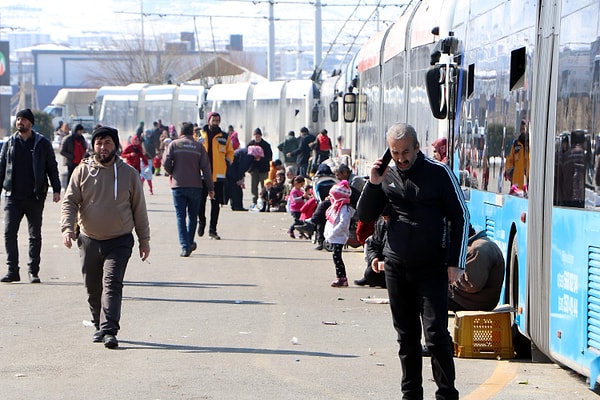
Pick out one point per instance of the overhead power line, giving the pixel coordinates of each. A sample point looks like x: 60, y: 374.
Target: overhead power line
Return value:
x: 276, y: 19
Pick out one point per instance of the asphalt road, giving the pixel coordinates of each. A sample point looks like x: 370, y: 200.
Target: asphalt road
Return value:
x: 251, y: 316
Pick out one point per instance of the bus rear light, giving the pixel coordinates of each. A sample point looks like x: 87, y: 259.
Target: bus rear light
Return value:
x: 524, y: 217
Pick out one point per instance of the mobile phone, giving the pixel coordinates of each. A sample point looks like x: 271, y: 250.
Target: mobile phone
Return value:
x: 385, y: 160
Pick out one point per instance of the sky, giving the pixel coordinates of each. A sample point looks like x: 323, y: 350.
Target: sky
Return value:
x: 213, y: 20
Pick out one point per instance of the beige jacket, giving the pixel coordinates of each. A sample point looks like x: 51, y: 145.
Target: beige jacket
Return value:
x: 105, y: 201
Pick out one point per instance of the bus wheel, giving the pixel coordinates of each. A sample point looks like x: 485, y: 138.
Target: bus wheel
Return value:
x: 521, y: 344
x: 513, y: 275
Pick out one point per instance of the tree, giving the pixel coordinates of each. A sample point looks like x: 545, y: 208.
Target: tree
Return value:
x: 43, y: 124
x: 139, y: 60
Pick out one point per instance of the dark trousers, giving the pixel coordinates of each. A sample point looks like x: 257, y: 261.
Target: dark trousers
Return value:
x: 235, y: 195
x: 319, y: 219
x: 103, y: 264
x: 215, y: 206
x: 420, y: 296
x: 256, y: 179
x: 14, y: 210
x: 374, y: 278
x: 70, y: 169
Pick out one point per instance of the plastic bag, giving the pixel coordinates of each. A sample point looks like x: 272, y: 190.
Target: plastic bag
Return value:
x: 146, y: 172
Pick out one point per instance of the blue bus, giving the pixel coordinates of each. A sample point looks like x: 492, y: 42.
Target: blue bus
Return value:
x: 497, y: 77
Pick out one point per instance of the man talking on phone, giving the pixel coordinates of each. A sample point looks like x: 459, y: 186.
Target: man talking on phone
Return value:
x: 425, y: 248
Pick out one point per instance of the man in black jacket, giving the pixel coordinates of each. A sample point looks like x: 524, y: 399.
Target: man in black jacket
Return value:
x: 425, y: 249
x: 27, y: 161
x: 302, y: 153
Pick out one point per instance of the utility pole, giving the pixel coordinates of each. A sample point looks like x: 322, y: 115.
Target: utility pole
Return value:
x: 271, y: 51
x: 143, y: 43
x: 318, y: 35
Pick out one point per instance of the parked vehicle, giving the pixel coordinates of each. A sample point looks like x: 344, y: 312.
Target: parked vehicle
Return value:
x: 73, y: 106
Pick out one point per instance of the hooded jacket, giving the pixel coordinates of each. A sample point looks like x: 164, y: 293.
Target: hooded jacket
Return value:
x: 106, y: 201
x: 480, y: 286
x: 44, y: 166
x: 220, y: 152
x: 428, y: 218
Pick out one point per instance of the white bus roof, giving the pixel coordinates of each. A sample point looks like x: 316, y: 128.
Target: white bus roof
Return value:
x: 298, y: 89
x: 228, y: 91
x: 268, y: 90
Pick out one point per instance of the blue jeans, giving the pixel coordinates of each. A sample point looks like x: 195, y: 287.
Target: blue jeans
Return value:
x: 187, y: 204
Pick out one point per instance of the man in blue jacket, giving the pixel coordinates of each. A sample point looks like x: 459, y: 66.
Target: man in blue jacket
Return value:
x: 27, y: 161
x: 426, y: 247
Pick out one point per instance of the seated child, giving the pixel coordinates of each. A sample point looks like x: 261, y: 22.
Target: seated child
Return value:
x: 307, y: 210
x: 280, y: 199
x: 268, y: 196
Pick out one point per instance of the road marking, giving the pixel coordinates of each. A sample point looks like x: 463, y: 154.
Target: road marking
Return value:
x: 503, y: 374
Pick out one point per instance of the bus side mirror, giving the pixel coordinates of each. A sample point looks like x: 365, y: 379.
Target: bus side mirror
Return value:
x: 437, y: 102
x: 349, y: 107
x: 315, y: 113
x: 201, y: 112
x: 334, y: 111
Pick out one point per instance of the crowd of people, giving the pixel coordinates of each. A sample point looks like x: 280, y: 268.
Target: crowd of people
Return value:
x: 411, y: 218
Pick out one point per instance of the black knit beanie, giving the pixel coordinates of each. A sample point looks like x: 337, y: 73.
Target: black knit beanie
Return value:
x: 27, y: 114
x: 106, y: 131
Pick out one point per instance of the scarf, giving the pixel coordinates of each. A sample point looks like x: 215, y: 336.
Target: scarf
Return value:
x: 339, y: 194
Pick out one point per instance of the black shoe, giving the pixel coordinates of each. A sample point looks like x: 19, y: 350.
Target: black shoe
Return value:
x: 214, y: 235
x: 239, y: 209
x: 319, y: 246
x: 193, y: 247
x: 98, y: 336
x: 33, y: 278
x: 361, y: 282
x: 201, y: 227
x: 110, y: 341
x: 185, y: 253
x: 11, y: 277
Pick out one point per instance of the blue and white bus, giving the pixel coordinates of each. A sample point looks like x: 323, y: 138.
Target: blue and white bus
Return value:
x: 484, y: 68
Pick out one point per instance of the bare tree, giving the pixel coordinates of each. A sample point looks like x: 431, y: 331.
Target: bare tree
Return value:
x: 140, y: 60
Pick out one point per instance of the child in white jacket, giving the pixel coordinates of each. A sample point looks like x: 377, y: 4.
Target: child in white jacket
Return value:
x: 337, y: 227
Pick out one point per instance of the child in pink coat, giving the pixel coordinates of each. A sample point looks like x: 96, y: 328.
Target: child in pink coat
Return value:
x: 296, y: 200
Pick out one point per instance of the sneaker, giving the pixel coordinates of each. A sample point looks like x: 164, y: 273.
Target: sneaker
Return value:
x: 319, y: 246
x: 291, y: 233
x: 110, y: 341
x: 11, y: 277
x: 98, y: 336
x: 213, y: 235
x: 34, y: 278
x: 340, y: 282
x: 201, y: 226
